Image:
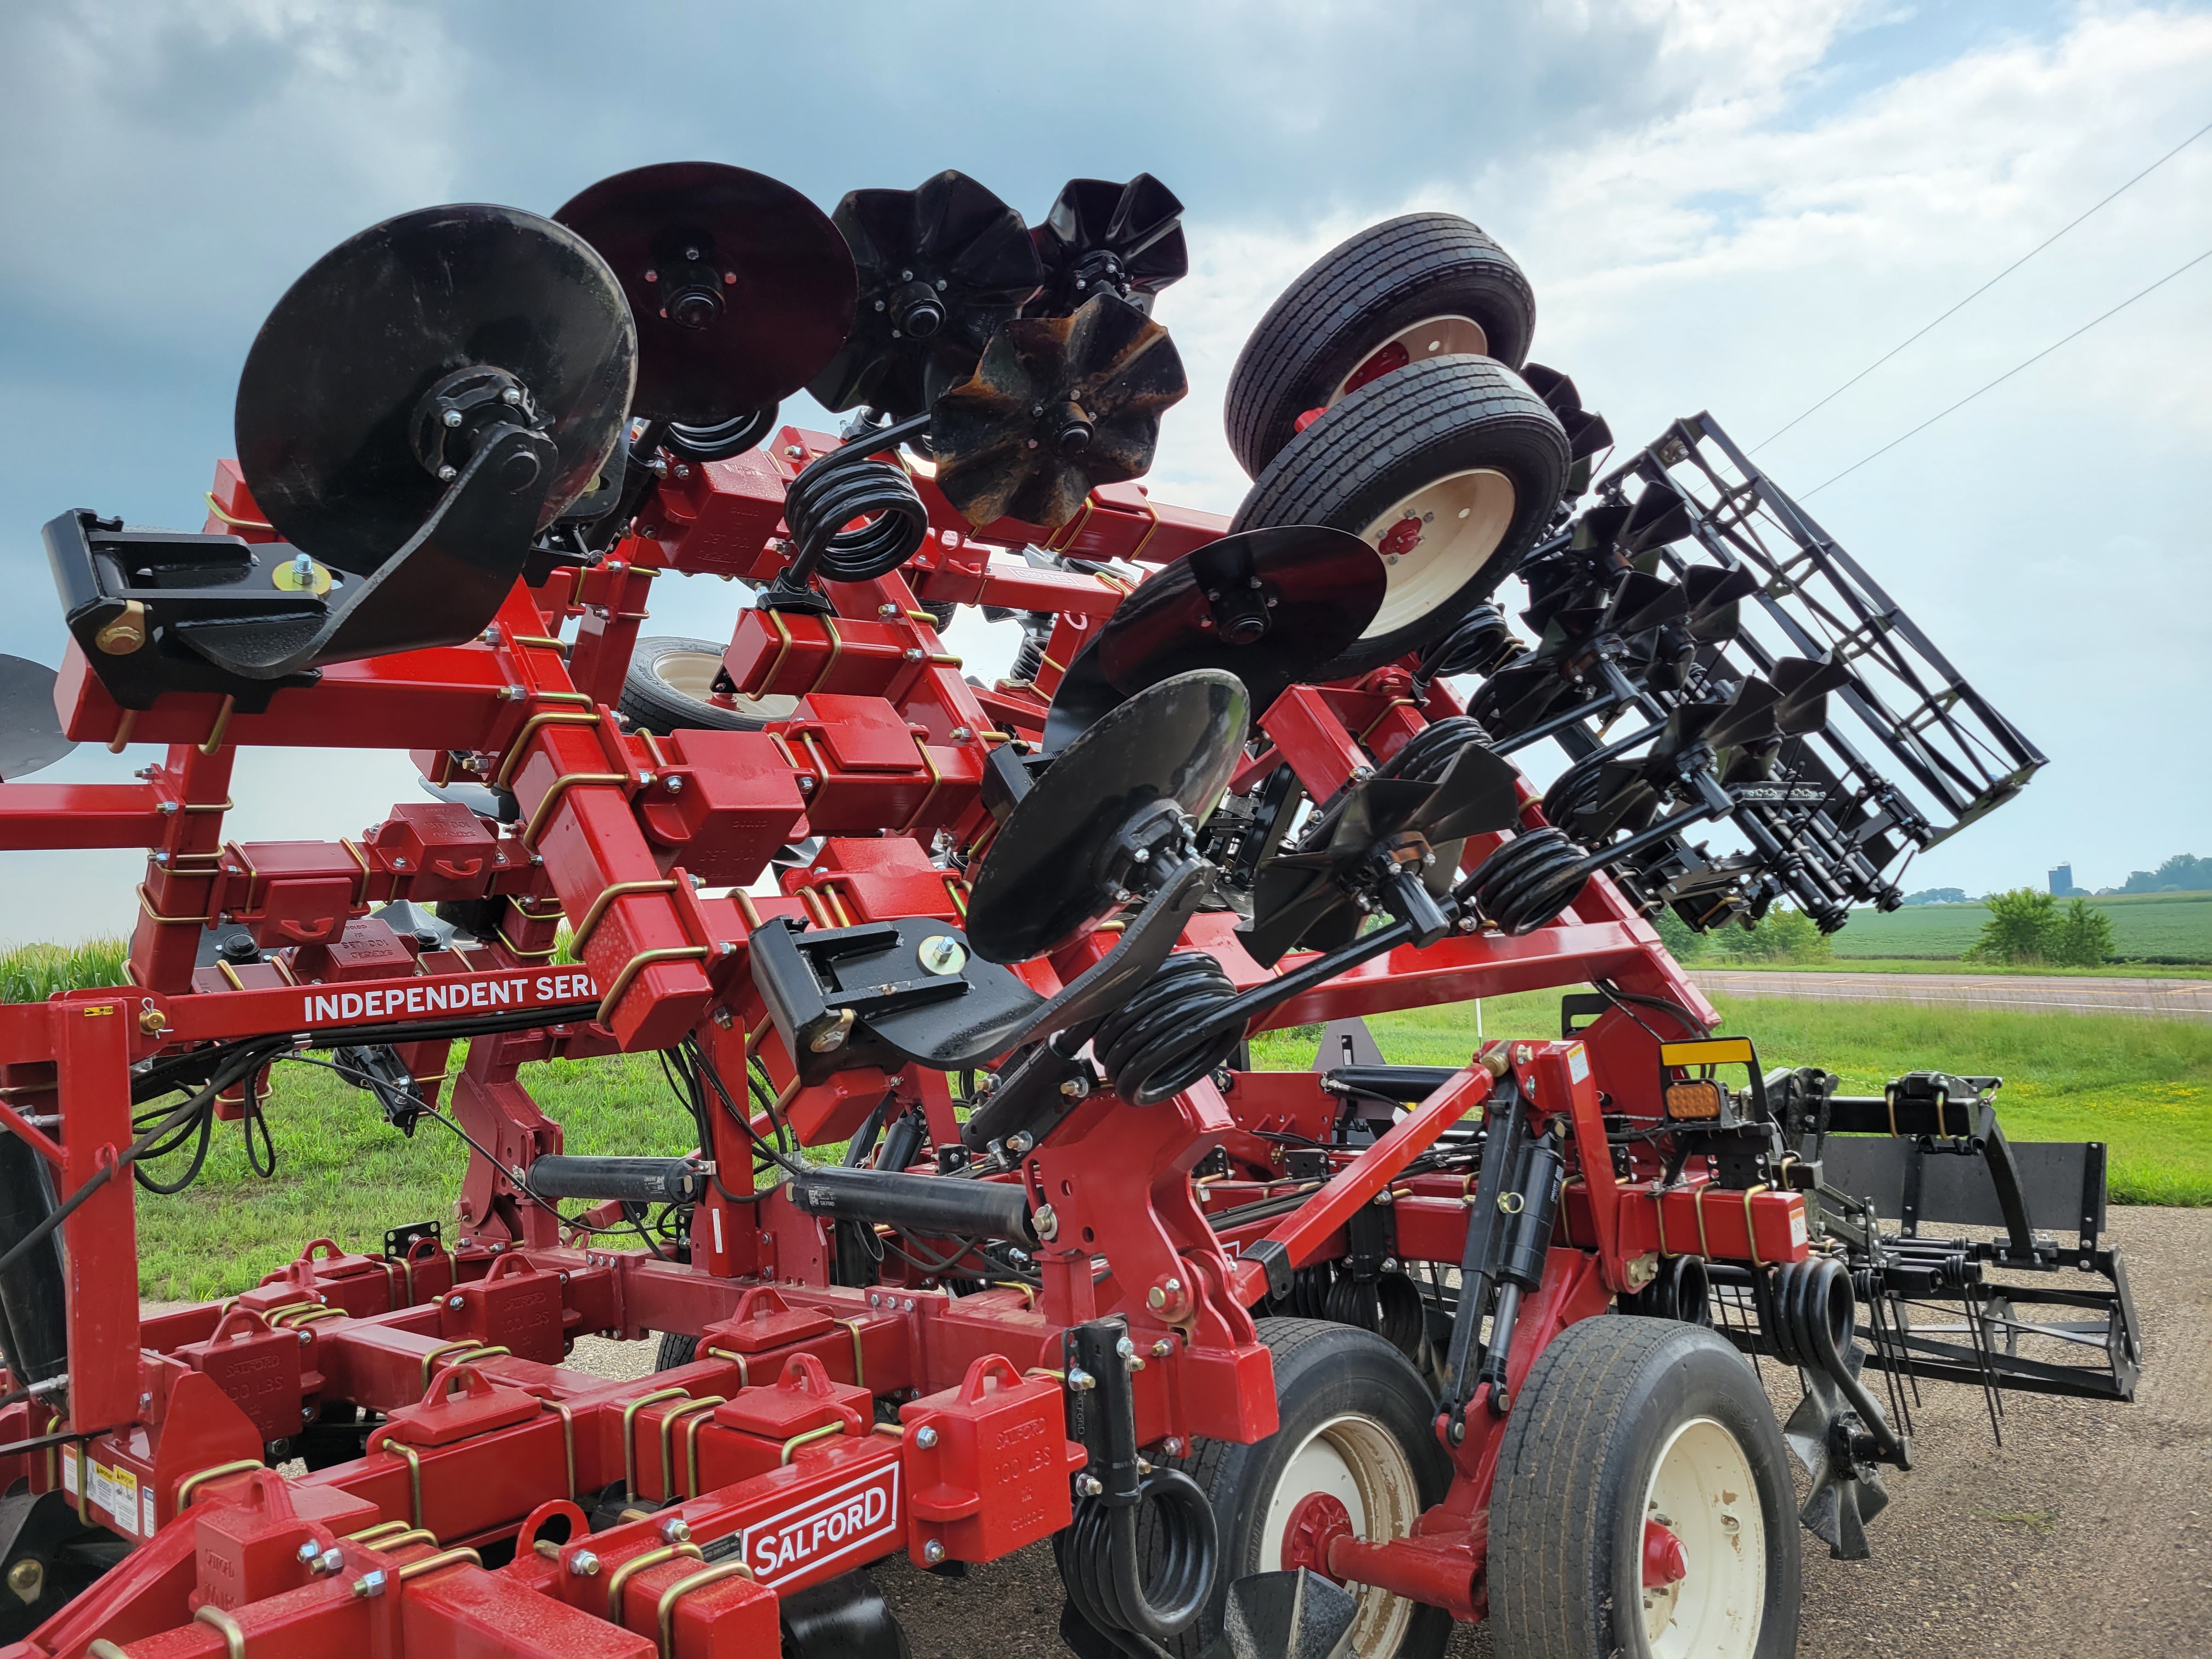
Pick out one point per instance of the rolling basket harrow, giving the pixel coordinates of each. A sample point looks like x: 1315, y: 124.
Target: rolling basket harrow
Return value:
x: 1314, y: 1361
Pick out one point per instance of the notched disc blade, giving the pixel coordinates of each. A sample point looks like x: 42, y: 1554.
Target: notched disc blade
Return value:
x: 330, y: 386
x: 939, y: 268
x: 1056, y: 406
x: 1127, y: 238
x: 742, y: 288
x: 1042, y: 880
x: 30, y: 731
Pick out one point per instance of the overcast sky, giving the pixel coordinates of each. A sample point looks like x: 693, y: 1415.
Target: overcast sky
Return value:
x: 1722, y: 205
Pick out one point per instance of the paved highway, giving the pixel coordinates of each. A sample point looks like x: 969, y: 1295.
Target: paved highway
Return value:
x: 2171, y: 999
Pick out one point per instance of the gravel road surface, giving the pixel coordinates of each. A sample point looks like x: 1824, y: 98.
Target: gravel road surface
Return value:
x: 2166, y: 999
x: 2088, y: 1532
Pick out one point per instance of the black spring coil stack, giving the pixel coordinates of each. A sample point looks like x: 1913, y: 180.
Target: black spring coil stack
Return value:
x: 1162, y: 1039
x: 1430, y: 752
x: 1481, y: 643
x: 1100, y: 1562
x: 835, y: 491
x: 1530, y: 881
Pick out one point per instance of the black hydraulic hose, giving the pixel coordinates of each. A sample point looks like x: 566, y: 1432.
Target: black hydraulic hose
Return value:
x: 1102, y: 1569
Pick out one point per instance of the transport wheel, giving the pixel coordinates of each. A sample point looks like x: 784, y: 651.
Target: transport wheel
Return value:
x: 1449, y: 469
x: 670, y: 688
x: 1355, y: 1445
x: 676, y: 1349
x: 1643, y: 1504
x: 1426, y: 285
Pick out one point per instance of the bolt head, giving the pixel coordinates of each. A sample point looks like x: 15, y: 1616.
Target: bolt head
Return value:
x: 584, y: 1564
x: 1089, y: 1485
x: 932, y: 1551
x: 924, y: 1437
x: 330, y: 1561
x: 1080, y: 1380
x: 455, y: 1302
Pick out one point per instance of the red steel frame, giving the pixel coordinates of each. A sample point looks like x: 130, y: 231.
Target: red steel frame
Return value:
x: 769, y: 1433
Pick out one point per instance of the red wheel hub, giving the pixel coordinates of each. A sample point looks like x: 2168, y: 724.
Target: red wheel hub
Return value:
x: 1663, y: 1561
x: 1403, y: 536
x: 1317, y: 1522
x: 1394, y: 355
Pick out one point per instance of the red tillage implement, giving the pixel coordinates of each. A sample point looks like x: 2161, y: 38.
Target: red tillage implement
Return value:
x: 1331, y: 1357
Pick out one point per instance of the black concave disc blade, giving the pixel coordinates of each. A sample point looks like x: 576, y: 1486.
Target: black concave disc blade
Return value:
x: 1042, y: 880
x: 1082, y: 696
x: 329, y: 389
x: 1056, y: 406
x: 940, y: 269
x: 30, y: 730
x: 1645, y: 601
x: 1270, y: 606
x: 742, y: 287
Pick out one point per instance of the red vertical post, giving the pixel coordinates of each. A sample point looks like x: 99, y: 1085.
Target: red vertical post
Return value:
x: 92, y: 1047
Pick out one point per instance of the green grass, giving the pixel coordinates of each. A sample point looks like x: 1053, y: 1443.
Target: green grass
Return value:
x: 31, y: 973
x: 2143, y: 1086
x: 2156, y: 927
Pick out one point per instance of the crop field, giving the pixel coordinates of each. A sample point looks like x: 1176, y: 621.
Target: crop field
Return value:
x: 2157, y: 927
x: 2143, y: 1086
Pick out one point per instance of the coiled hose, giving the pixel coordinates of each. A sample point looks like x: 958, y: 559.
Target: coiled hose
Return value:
x: 1530, y: 881
x: 1100, y: 1565
x: 823, y: 507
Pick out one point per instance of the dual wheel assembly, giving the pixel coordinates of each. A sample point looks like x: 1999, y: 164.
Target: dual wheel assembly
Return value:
x: 1642, y: 1504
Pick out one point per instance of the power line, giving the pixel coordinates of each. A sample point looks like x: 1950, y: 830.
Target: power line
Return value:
x: 1987, y: 286
x: 2009, y: 372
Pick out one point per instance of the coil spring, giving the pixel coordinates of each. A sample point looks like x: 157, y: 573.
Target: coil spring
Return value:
x: 1161, y: 1040
x: 831, y: 495
x: 721, y: 440
x: 1530, y: 881
x: 1100, y: 1565
x: 1431, y: 751
x: 1573, y: 789
x: 1806, y: 1309
x: 1479, y: 644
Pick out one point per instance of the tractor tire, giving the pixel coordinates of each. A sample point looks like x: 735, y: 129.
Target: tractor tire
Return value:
x: 1425, y: 285
x: 1356, y: 1424
x: 1448, y: 468
x: 1622, y: 1421
x: 670, y: 687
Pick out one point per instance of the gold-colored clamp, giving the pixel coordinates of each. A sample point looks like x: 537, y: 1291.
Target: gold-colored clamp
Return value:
x: 233, y: 1637
x: 600, y: 905
x: 560, y: 786
x: 638, y: 1563
x: 665, y: 1614
x: 434, y: 1563
x: 638, y: 964
x: 796, y: 1441
x: 193, y: 1482
x: 629, y: 1433
x: 689, y: 1411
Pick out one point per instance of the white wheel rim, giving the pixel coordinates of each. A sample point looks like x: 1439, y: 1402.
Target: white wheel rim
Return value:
x: 1435, y: 541
x: 1448, y: 335
x: 1701, y: 1490
x: 1360, y: 1464
x: 692, y: 674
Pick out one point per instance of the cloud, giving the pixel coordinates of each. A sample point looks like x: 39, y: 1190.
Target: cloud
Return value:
x: 1721, y: 206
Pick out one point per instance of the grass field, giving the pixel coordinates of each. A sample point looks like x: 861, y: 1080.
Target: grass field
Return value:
x: 2143, y: 1086
x: 2154, y: 927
